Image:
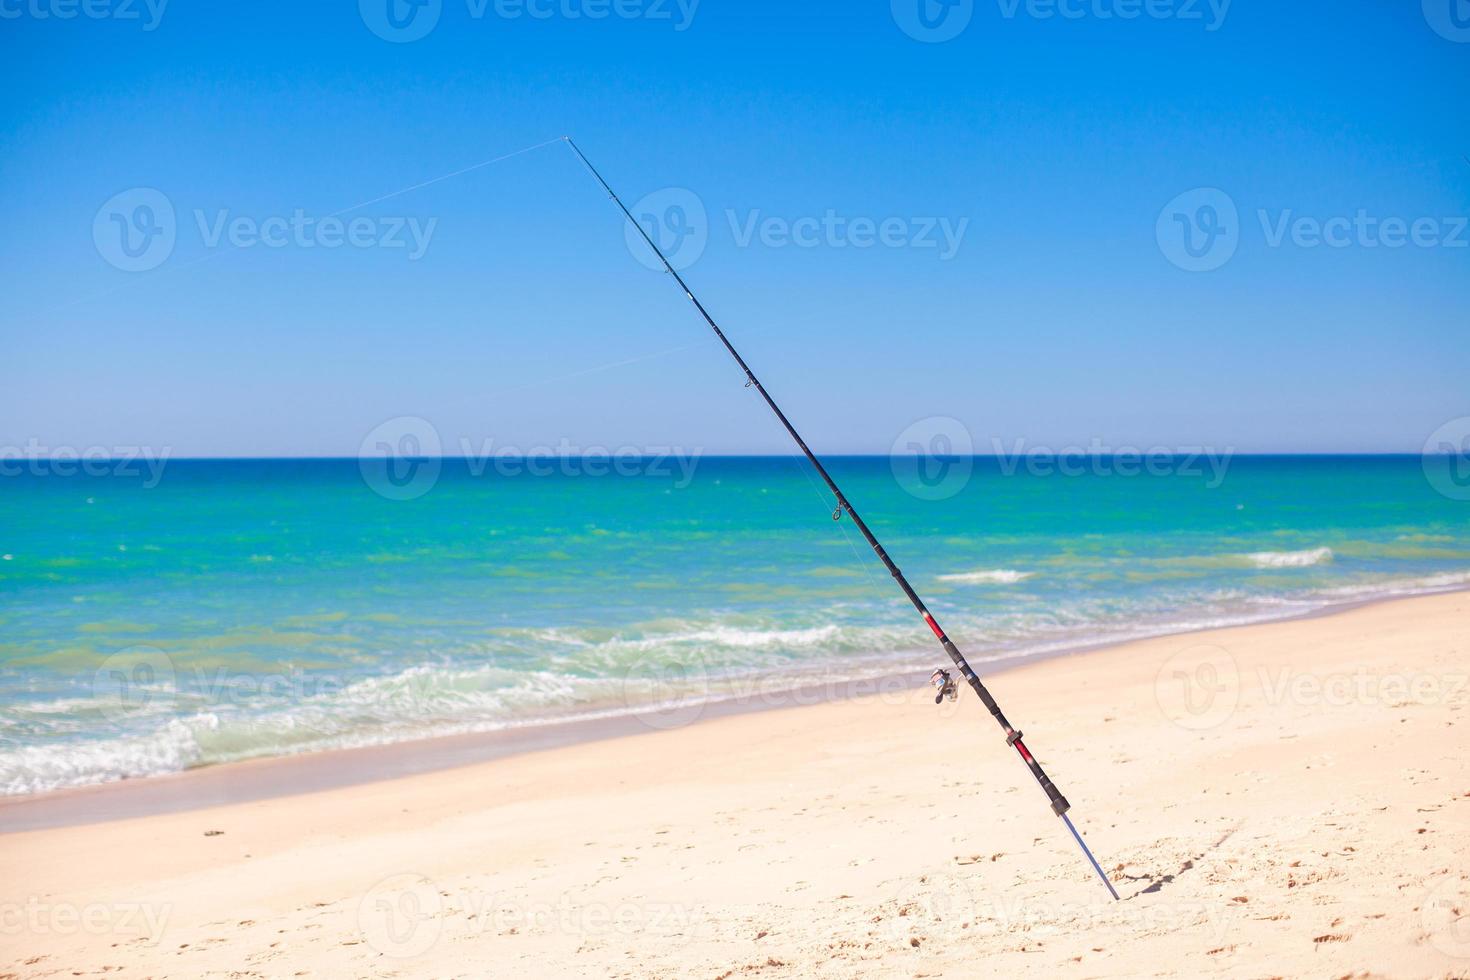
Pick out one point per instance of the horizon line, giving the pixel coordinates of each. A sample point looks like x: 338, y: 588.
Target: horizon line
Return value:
x: 1066, y: 451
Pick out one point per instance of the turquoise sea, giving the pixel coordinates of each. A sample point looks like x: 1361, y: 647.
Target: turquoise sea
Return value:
x: 235, y: 609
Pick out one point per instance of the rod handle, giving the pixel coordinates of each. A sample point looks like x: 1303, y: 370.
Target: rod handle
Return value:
x: 1059, y: 804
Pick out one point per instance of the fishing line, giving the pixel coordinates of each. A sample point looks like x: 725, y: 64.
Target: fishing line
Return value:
x: 864, y: 563
x: 194, y: 263
x: 442, y: 177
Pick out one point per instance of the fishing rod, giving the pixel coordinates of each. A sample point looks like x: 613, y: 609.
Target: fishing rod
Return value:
x: 943, y: 683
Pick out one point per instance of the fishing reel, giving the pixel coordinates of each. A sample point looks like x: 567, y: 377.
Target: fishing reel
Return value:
x: 943, y: 684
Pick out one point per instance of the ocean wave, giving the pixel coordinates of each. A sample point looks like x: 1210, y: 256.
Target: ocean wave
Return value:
x: 734, y: 637
x: 1422, y: 585
x: 418, y: 703
x: 40, y: 768
x: 992, y: 576
x: 1290, y: 559
x: 529, y: 677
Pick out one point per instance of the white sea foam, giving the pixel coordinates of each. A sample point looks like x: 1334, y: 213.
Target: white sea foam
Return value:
x: 1290, y: 559
x: 1442, y: 582
x: 587, y: 674
x: 38, y: 768
x: 728, y: 636
x: 992, y: 576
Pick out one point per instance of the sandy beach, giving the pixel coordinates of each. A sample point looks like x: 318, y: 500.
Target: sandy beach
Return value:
x: 485, y: 488
x: 1286, y: 799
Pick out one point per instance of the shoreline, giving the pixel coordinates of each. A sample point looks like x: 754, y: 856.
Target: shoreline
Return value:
x: 1282, y: 799
x: 272, y: 777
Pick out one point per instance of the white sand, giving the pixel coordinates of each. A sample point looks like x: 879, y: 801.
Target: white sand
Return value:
x: 1289, y: 799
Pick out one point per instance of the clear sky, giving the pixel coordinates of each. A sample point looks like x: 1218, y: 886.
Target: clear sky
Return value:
x: 1052, y: 139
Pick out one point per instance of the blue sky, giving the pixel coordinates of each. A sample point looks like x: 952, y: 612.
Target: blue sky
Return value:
x: 1053, y: 141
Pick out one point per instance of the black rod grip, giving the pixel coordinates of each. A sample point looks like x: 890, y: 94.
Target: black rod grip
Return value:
x: 1059, y: 804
